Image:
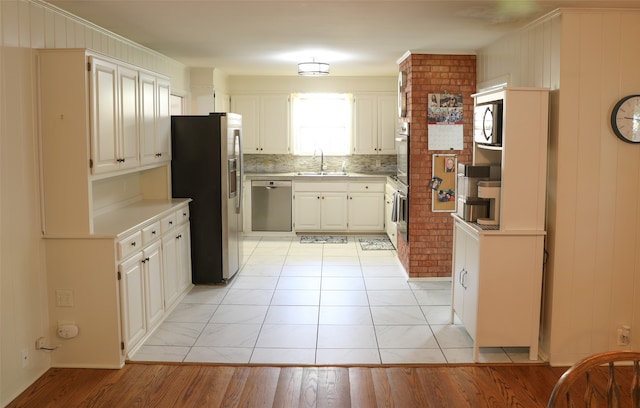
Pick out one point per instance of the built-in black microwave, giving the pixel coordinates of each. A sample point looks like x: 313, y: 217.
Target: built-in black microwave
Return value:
x: 487, y: 123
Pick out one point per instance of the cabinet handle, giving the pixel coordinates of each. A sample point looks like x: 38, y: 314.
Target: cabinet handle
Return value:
x: 179, y: 236
x: 133, y: 244
x: 366, y: 187
x: 170, y: 222
x: 318, y: 197
x: 350, y: 198
x: 153, y: 232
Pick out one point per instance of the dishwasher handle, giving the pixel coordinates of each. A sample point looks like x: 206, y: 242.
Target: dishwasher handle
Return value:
x: 271, y: 184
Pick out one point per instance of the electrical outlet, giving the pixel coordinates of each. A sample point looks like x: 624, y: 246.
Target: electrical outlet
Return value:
x: 64, y: 298
x: 624, y: 335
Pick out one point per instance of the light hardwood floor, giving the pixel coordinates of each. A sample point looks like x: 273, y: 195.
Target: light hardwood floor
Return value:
x: 198, y: 385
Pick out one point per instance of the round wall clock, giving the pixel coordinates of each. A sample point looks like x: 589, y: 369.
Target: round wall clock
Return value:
x: 625, y: 119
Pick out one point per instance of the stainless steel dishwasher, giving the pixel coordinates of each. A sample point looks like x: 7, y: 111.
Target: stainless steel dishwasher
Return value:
x: 271, y: 205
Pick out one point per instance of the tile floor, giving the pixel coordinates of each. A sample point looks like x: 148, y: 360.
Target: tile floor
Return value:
x: 295, y: 303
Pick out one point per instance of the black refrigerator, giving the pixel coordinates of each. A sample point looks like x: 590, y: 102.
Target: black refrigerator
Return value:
x: 206, y: 166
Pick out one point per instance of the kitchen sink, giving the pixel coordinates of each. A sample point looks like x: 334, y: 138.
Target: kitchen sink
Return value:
x: 321, y: 173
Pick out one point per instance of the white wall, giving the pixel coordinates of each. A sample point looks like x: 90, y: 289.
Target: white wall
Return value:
x: 589, y: 59
x: 258, y: 84
x: 26, y: 25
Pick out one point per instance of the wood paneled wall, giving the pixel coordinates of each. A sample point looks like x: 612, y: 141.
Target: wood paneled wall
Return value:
x: 589, y: 59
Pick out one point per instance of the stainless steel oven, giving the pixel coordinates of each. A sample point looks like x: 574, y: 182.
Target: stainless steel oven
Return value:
x: 402, y: 210
x: 402, y: 148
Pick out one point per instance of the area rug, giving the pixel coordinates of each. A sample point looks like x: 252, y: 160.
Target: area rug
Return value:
x: 375, y: 244
x: 323, y: 239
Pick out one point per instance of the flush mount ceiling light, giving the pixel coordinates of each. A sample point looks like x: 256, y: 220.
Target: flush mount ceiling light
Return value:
x: 313, y: 68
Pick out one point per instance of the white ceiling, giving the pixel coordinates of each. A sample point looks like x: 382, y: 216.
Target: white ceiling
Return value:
x: 357, y: 37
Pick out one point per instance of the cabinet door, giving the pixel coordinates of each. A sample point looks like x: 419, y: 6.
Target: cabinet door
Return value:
x: 183, y: 250
x: 307, y: 211
x: 128, y: 147
x: 104, y: 116
x: 163, y: 120
x: 470, y: 280
x: 333, y: 211
x: 147, y: 118
x: 274, y: 124
x: 459, y: 270
x: 154, y: 291
x: 366, y: 211
x: 247, y: 106
x: 387, y: 123
x: 365, y: 125
x: 390, y: 226
x: 170, y: 269
x: 132, y: 300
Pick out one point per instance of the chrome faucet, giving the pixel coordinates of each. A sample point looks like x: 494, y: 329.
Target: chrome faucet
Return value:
x: 322, y: 166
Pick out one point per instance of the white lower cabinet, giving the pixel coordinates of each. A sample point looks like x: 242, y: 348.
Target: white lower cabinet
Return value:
x: 320, y: 206
x: 177, y: 263
x: 496, y: 285
x: 366, y: 206
x: 339, y: 206
x: 141, y: 291
x: 132, y: 288
x: 154, y: 292
x: 465, y: 278
x: 155, y: 271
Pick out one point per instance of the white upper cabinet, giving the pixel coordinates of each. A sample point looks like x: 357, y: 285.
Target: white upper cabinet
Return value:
x: 115, y: 116
x: 375, y: 124
x: 265, y: 122
x: 155, y: 133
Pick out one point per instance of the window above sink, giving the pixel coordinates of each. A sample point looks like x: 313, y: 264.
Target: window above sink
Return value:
x: 322, y: 121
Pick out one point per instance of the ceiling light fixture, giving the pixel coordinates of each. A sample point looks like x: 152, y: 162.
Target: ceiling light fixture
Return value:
x: 313, y: 68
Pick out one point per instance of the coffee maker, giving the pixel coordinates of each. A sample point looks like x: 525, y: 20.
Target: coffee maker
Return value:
x: 490, y: 190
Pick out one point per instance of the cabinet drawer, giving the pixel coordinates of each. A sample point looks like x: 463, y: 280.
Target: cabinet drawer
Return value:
x: 150, y: 233
x: 320, y: 186
x: 168, y: 222
x: 363, y: 187
x: 129, y: 245
x: 182, y: 215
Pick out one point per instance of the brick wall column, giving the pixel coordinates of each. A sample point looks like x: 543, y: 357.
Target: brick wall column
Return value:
x: 429, y: 251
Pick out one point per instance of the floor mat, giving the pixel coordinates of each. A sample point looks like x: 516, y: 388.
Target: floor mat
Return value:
x: 323, y: 239
x: 375, y: 244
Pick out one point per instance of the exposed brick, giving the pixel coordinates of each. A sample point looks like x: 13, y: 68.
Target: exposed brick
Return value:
x: 429, y: 252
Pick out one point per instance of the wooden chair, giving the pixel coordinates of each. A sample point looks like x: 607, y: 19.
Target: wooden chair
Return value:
x: 587, y: 384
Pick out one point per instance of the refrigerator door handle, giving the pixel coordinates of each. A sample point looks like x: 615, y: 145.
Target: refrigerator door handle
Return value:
x: 240, y: 174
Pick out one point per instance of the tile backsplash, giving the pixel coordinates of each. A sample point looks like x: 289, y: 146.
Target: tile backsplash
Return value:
x: 288, y: 163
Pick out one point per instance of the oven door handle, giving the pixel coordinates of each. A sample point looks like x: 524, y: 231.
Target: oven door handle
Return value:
x: 402, y: 207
